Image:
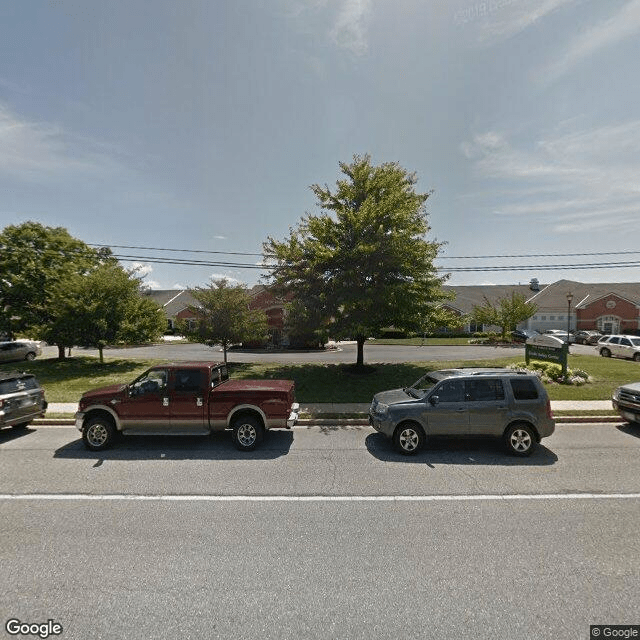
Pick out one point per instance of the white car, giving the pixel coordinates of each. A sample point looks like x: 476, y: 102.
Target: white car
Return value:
x: 619, y: 347
x: 558, y: 333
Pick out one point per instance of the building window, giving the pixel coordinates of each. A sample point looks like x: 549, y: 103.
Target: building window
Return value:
x: 608, y: 324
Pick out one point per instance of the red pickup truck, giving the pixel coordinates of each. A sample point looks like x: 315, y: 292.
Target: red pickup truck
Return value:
x: 187, y: 398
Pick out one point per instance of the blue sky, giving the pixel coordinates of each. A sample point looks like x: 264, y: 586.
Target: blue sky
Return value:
x: 200, y: 124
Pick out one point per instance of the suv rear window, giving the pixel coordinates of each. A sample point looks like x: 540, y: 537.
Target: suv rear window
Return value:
x: 524, y: 389
x: 18, y: 384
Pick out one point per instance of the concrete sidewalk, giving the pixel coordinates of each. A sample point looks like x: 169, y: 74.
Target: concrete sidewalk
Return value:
x: 363, y: 407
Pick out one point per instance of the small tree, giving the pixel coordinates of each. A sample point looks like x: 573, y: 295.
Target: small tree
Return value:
x: 224, y: 316
x: 506, y: 312
x: 37, y: 267
x: 365, y: 263
x: 107, y: 307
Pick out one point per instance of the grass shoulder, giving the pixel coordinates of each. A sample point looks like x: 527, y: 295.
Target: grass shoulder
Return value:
x: 66, y: 380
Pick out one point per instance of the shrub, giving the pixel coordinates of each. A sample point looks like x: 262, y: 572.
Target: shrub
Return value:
x: 550, y: 372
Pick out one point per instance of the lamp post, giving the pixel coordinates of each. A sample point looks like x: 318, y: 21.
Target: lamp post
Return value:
x: 569, y: 299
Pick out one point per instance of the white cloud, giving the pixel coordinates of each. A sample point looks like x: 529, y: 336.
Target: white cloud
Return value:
x: 498, y: 20
x: 225, y: 276
x: 350, y: 28
x: 30, y: 149
x: 573, y: 180
x: 142, y: 269
x: 623, y: 24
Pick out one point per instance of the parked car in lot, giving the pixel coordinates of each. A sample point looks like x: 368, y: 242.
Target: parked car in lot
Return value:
x: 626, y: 401
x: 559, y: 333
x: 187, y: 398
x: 17, y: 350
x: 622, y: 346
x: 21, y: 399
x: 502, y: 403
x: 522, y: 335
x: 587, y: 337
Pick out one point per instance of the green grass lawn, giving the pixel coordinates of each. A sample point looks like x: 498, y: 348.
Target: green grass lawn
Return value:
x: 420, y: 342
x: 66, y: 380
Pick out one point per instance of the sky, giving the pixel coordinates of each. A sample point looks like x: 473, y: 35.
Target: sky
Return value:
x: 199, y: 126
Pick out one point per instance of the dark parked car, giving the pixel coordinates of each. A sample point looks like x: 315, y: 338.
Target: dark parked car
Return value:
x: 21, y: 399
x: 522, y: 335
x: 587, y: 337
x: 626, y: 401
x: 506, y: 404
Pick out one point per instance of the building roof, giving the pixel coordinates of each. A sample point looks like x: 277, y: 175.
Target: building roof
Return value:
x: 470, y: 296
x: 172, y: 300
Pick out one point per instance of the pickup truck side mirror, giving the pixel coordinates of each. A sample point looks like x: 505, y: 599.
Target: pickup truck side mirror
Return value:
x: 433, y: 400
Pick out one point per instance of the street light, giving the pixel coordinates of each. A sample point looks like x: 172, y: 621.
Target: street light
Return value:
x: 569, y: 299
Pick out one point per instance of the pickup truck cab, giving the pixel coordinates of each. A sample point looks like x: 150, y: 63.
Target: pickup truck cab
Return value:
x: 187, y: 398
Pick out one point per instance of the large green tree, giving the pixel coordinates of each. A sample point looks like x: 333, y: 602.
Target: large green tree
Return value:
x: 224, y: 316
x: 107, y: 307
x: 365, y: 262
x: 37, y: 263
x: 506, y: 312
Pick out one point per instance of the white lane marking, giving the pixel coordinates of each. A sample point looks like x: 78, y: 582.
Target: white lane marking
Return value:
x: 319, y: 498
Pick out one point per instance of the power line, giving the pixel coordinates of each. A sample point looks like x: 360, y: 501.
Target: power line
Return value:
x: 541, y: 255
x: 124, y: 246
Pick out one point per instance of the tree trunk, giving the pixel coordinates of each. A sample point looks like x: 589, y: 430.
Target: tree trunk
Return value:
x: 61, y: 354
x: 224, y: 351
x: 101, y: 352
x: 360, y: 340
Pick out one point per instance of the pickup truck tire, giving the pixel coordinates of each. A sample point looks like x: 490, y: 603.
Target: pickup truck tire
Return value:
x: 98, y: 433
x: 248, y: 432
x: 22, y: 425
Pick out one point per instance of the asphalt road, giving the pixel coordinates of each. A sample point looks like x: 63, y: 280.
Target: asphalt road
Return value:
x: 322, y: 533
x: 345, y: 354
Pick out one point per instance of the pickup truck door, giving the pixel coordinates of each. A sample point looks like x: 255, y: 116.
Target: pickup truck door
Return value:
x: 146, y: 408
x: 188, y: 398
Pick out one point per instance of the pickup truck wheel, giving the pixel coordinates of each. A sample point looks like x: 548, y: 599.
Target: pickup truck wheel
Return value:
x: 409, y: 438
x: 520, y: 439
x: 22, y: 425
x: 30, y: 356
x: 247, y: 433
x: 98, y: 433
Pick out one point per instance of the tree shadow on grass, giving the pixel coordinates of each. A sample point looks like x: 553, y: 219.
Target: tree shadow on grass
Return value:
x: 217, y: 446
x: 475, y: 451
x: 319, y: 382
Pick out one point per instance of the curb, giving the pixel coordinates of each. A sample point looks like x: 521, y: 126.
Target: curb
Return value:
x: 355, y: 422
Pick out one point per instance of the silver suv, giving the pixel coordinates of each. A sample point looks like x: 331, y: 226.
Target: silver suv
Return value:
x: 21, y: 399
x: 619, y: 347
x: 503, y: 403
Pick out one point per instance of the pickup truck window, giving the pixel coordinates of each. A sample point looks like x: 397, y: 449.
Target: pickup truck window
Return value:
x: 218, y: 376
x: 188, y: 380
x: 152, y: 381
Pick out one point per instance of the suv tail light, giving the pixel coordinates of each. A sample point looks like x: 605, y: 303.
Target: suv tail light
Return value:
x: 549, y: 412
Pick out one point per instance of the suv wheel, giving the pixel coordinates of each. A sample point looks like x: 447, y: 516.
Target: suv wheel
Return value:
x: 247, y: 433
x: 520, y: 439
x: 605, y: 353
x: 98, y: 433
x: 409, y: 438
x: 636, y: 356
